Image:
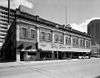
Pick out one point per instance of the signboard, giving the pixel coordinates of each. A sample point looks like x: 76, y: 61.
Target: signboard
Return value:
x: 26, y: 9
x: 60, y: 47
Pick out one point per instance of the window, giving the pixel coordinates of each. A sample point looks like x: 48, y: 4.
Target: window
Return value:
x: 61, y: 39
x: 56, y: 38
x: 68, y: 40
x: 75, y: 41
x: 48, y: 37
x: 42, y: 36
x: 33, y: 33
x: 24, y: 32
x: 82, y: 43
x: 87, y: 44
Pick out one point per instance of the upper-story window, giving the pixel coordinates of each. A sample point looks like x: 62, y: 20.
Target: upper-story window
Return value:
x: 24, y: 32
x: 61, y: 39
x: 45, y: 36
x: 48, y: 37
x: 56, y: 38
x: 42, y: 36
x: 68, y: 40
x: 87, y: 44
x: 33, y: 33
x: 75, y: 42
x: 82, y: 43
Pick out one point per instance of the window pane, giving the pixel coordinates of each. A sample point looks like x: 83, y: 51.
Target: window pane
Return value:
x: 75, y: 42
x: 68, y: 40
x: 56, y: 38
x: 87, y: 44
x: 48, y: 37
x: 61, y: 39
x: 24, y: 32
x: 42, y: 36
x: 82, y: 43
x: 33, y: 33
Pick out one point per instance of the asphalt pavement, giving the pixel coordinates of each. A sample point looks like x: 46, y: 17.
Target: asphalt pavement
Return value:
x: 74, y: 68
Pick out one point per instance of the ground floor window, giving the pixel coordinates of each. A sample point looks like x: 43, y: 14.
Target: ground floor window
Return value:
x: 45, y: 55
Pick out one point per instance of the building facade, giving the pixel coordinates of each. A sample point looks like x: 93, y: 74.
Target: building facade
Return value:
x: 33, y: 38
x: 94, y: 30
x: 4, y: 22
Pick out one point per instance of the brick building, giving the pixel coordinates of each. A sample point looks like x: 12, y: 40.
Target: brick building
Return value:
x: 34, y: 38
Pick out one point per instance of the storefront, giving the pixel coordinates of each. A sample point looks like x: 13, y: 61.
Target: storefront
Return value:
x: 27, y: 55
x: 46, y: 55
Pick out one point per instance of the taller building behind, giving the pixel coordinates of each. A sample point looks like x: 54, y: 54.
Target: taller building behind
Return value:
x: 94, y: 30
x: 4, y: 22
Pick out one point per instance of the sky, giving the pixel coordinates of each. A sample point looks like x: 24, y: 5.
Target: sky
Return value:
x: 78, y: 13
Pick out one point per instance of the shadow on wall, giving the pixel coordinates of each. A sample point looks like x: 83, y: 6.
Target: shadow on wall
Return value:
x: 97, y: 76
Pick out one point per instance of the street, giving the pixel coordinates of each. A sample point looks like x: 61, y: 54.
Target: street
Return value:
x: 82, y: 68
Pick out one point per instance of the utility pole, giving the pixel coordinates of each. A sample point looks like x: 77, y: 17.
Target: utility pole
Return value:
x: 66, y: 12
x: 8, y: 12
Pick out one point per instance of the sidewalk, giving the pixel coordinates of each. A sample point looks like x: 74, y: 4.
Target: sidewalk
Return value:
x: 25, y: 63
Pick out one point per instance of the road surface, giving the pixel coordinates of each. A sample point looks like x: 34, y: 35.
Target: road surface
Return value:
x: 88, y: 68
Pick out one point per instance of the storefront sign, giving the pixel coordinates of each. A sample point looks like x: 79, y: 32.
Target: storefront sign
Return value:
x: 60, y: 47
x: 45, y: 46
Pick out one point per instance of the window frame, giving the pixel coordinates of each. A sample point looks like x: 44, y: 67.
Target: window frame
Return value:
x: 48, y: 37
x: 56, y: 40
x: 61, y: 39
x: 75, y: 41
x: 23, y: 35
x: 32, y: 29
x: 88, y: 43
x: 42, y: 36
x: 68, y: 40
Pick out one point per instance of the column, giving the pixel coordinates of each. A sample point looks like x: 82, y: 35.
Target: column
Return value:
x: 26, y: 56
x: 38, y: 52
x: 38, y: 56
x: 17, y: 56
x: 53, y: 56
x: 71, y: 55
x: 57, y: 55
x: 37, y: 34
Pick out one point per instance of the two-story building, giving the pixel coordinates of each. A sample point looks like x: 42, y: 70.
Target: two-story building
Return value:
x: 34, y: 38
